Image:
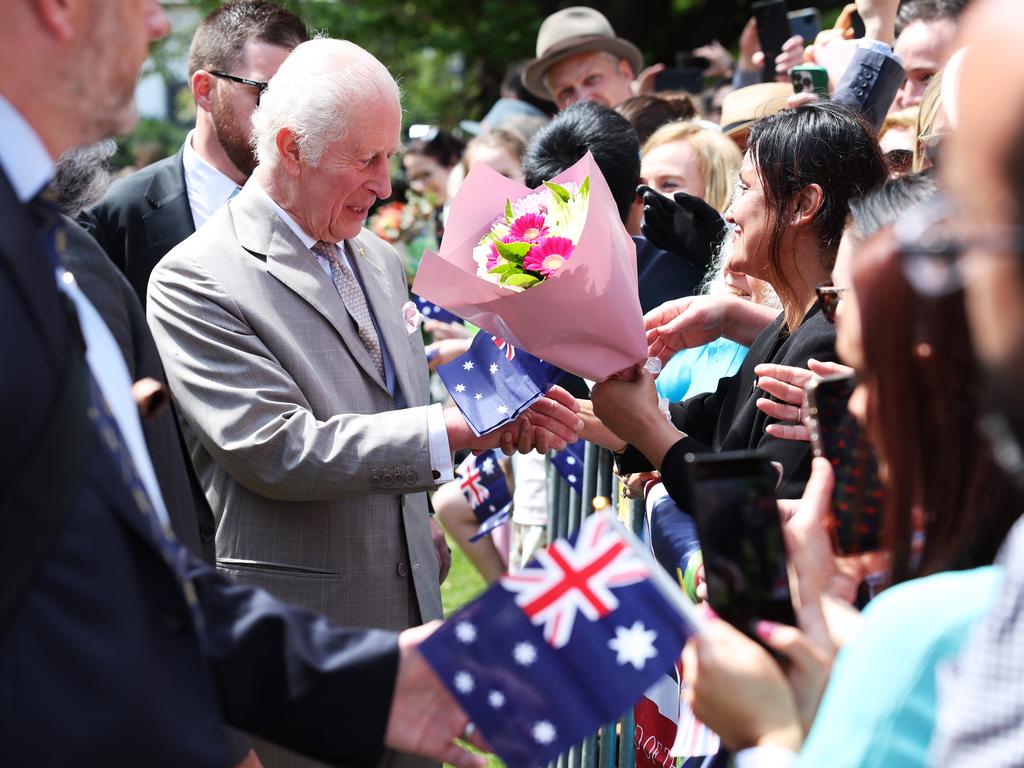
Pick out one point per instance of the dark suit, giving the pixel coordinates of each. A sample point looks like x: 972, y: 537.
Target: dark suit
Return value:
x: 141, y: 218
x: 109, y: 291
x: 663, y: 276
x: 100, y: 661
x: 728, y: 419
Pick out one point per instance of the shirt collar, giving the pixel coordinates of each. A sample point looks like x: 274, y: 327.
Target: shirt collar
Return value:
x: 23, y: 156
x: 215, y: 186
x: 307, y: 241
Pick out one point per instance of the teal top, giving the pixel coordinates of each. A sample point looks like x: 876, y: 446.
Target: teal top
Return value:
x: 879, y: 707
x: 696, y: 371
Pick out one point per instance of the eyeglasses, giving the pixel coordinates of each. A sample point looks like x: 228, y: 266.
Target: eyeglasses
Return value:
x: 259, y: 85
x: 828, y: 297
x: 933, y: 245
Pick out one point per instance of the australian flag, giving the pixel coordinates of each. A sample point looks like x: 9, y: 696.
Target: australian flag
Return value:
x: 431, y: 311
x: 484, y: 485
x: 493, y: 382
x: 569, y: 464
x: 547, y: 655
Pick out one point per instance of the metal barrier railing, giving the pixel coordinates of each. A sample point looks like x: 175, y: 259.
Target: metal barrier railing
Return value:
x: 612, y: 746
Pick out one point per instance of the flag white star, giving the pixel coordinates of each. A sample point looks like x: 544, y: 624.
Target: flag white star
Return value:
x: 427, y: 310
x: 493, y: 369
x: 466, y: 632
x: 571, y: 460
x: 487, y: 467
x: 496, y: 699
x: 634, y: 645
x: 544, y: 732
x: 460, y: 387
x: 468, y: 365
x: 478, y: 396
x: 502, y: 409
x: 571, y: 478
x: 524, y: 653
x: 464, y: 682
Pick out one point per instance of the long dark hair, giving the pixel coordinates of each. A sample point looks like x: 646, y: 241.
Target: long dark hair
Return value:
x: 826, y: 144
x: 924, y: 403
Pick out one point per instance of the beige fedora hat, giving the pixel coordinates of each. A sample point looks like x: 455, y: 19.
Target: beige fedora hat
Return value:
x: 742, y: 108
x: 575, y: 30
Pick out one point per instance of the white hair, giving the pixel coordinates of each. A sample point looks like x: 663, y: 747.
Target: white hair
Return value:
x: 316, y: 89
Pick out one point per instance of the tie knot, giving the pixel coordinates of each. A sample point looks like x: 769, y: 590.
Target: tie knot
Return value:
x: 325, y: 250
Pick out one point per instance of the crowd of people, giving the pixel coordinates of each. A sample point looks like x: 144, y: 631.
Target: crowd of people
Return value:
x: 230, y: 479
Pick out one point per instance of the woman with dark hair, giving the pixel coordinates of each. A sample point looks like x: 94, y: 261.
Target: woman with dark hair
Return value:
x: 428, y: 161
x: 800, y: 172
x: 920, y: 402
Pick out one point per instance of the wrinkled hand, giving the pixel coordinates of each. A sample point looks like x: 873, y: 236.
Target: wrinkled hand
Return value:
x: 683, y: 224
x: 627, y: 406
x: 739, y: 691
x: 446, y: 350
x: 444, y: 552
x: 440, y: 331
x: 789, y: 384
x: 425, y: 719
x: 718, y: 56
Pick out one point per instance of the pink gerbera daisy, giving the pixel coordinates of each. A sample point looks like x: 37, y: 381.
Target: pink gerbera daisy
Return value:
x: 529, y: 227
x: 494, y: 258
x: 549, y: 255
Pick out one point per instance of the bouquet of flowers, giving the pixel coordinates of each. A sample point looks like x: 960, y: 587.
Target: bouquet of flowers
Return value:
x: 550, y: 270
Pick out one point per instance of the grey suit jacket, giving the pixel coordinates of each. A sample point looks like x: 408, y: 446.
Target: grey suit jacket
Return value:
x: 317, y: 482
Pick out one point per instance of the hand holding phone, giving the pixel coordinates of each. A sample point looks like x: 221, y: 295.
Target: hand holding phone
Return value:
x: 741, y: 539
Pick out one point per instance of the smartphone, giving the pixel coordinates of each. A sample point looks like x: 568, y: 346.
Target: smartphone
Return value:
x: 689, y: 79
x: 857, y: 25
x: 806, y: 22
x: 772, y: 31
x: 810, y: 78
x: 741, y: 538
x: 857, y: 498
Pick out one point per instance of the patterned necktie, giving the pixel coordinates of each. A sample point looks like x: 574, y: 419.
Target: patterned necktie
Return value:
x: 50, y: 229
x: 354, y: 300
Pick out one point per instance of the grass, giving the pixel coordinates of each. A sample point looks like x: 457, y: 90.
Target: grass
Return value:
x: 461, y: 586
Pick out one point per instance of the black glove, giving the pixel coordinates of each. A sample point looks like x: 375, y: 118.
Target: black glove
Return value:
x: 684, y: 225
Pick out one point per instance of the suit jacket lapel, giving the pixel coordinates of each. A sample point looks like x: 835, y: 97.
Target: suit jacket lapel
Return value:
x: 260, y: 231
x: 170, y: 221
x: 387, y: 310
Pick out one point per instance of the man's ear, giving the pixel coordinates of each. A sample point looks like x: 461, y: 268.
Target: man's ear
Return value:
x: 288, y: 150
x: 61, y: 18
x: 626, y: 70
x: 202, y: 90
x: 808, y: 202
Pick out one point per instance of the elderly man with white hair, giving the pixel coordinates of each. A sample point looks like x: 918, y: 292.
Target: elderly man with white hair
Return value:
x: 303, y: 392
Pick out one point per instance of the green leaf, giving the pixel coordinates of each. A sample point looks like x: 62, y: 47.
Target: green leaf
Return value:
x: 521, y: 281
x: 513, y: 252
x: 585, y: 186
x: 502, y: 269
x: 558, y: 190
x: 508, y: 211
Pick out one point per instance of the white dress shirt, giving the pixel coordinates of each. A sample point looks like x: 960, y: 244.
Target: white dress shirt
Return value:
x: 208, y: 189
x: 29, y: 168
x: 437, y: 432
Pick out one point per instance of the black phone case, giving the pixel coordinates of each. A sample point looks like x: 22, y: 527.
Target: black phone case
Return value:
x: 857, y: 498
x: 772, y: 30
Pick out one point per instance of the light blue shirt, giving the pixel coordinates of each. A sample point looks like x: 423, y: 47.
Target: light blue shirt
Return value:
x: 29, y: 167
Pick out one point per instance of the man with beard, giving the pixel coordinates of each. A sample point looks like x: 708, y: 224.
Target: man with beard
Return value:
x: 981, y: 708
x: 234, y: 52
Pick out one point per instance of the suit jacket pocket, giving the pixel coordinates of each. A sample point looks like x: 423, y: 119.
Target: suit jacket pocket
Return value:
x: 274, y: 569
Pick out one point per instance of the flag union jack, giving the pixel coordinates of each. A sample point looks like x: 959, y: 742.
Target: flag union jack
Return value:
x: 504, y: 346
x: 567, y: 578
x: 475, y: 491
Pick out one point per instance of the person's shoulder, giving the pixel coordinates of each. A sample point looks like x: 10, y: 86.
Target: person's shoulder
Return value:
x: 131, y: 190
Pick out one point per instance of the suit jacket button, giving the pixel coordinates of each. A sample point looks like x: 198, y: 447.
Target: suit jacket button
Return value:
x: 388, y: 478
x: 435, y: 474
x: 403, y: 569
x: 375, y: 481
x: 411, y: 477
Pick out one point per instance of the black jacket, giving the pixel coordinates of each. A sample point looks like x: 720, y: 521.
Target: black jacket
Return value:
x: 728, y: 418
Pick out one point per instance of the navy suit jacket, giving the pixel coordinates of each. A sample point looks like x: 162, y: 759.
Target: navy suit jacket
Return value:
x: 100, y: 661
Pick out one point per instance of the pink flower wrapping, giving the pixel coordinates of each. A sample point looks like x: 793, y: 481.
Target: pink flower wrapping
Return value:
x: 585, y: 318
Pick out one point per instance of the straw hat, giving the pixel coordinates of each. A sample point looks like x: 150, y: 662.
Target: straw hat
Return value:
x: 570, y: 31
x: 742, y: 108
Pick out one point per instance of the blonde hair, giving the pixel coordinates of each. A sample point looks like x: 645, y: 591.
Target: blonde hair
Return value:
x: 930, y: 107
x: 719, y: 157
x: 905, y: 118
